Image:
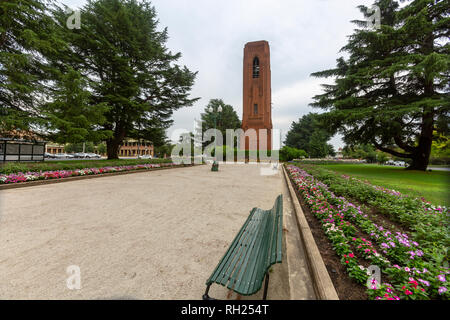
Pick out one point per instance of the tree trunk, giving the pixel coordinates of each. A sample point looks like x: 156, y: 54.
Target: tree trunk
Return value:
x: 112, y: 149
x: 422, y: 154
x: 421, y: 157
x: 419, y: 162
x: 113, y: 144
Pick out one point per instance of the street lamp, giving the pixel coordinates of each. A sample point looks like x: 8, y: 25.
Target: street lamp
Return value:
x: 215, y: 166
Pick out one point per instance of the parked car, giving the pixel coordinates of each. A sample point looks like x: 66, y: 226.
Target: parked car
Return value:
x: 49, y: 155
x: 93, y: 156
x: 396, y: 163
x: 145, y: 156
x: 80, y: 155
x: 400, y: 163
x: 60, y: 155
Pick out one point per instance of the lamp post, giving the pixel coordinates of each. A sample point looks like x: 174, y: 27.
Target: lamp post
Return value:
x: 215, y: 166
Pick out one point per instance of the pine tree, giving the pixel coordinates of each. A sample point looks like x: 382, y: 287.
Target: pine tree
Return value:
x: 70, y: 116
x: 121, y: 52
x: 392, y: 90
x: 27, y: 37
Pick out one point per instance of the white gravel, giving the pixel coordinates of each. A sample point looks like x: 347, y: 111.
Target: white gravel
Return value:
x: 152, y: 235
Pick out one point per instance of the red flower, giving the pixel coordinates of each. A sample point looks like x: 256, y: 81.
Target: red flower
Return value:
x: 346, y: 261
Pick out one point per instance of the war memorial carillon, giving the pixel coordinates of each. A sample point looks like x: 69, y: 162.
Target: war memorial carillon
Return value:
x: 257, y: 109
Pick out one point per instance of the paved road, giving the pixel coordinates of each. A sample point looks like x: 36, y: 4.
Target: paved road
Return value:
x: 152, y: 235
x: 439, y: 168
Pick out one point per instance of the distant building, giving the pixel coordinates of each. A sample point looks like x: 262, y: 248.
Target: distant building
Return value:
x: 54, y: 148
x: 134, y: 148
x: 339, y: 154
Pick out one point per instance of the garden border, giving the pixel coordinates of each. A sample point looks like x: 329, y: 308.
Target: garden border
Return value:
x: 68, y: 179
x: 321, y: 279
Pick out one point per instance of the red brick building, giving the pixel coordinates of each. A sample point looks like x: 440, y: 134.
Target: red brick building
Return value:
x: 257, y: 109
x: 134, y: 148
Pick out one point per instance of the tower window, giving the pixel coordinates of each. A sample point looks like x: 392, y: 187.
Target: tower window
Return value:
x: 255, y: 109
x: 256, y: 67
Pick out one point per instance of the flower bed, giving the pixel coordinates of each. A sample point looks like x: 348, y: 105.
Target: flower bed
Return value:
x: 428, y: 223
x: 421, y: 275
x: 60, y: 174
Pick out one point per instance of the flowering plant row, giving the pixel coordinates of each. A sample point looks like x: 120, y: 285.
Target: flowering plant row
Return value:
x: 429, y: 223
x: 59, y: 174
x: 336, y: 215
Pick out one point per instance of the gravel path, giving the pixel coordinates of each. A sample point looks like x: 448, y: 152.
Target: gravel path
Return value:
x: 152, y: 235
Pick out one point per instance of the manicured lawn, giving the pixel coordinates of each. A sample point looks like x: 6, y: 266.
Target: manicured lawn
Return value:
x: 14, y: 167
x: 433, y: 186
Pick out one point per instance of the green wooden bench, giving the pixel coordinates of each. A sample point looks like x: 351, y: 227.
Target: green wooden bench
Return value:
x: 256, y: 247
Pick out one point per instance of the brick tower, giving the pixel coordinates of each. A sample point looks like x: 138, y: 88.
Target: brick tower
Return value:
x: 257, y: 111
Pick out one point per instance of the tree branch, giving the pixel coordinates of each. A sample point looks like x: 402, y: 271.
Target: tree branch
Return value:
x: 393, y: 152
x: 404, y: 145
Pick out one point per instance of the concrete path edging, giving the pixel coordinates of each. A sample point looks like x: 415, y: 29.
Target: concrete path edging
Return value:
x: 301, y: 282
x: 322, y: 282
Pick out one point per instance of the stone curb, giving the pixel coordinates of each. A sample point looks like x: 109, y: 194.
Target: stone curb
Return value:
x: 322, y: 282
x: 68, y: 179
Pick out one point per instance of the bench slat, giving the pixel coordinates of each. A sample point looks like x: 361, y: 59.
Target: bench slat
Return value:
x: 252, y: 274
x: 273, y: 231
x: 230, y: 256
x: 276, y: 248
x: 244, y: 251
x: 279, y: 253
x: 243, y: 275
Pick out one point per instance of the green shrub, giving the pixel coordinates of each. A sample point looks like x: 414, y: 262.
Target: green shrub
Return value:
x: 289, y: 153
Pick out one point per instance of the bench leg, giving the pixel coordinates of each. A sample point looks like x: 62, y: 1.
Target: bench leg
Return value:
x: 206, y: 296
x: 266, y: 285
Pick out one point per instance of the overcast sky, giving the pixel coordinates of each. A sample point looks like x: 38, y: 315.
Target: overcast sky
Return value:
x: 304, y: 36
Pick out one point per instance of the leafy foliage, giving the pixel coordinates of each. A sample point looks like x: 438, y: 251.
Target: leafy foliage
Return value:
x: 288, y: 153
x: 310, y: 135
x: 27, y: 38
x: 226, y: 119
x: 366, y: 152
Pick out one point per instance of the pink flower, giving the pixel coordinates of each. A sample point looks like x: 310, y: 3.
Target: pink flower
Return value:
x: 442, y: 290
x: 441, y: 277
x: 407, y: 292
